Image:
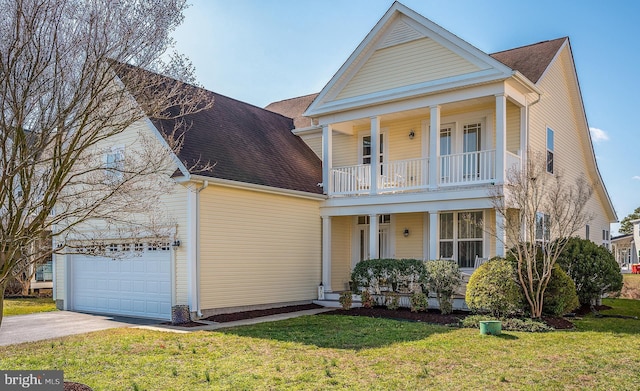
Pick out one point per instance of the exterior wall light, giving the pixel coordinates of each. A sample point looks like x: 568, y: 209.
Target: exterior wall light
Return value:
x: 176, y: 243
x: 412, y: 134
x: 406, y: 232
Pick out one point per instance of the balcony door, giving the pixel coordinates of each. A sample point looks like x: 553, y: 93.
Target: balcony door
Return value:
x: 365, y: 150
x: 471, y: 143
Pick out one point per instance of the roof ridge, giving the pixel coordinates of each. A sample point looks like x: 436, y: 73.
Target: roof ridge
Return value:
x: 531, y: 44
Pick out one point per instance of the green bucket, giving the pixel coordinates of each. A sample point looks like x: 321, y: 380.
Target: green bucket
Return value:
x: 490, y: 327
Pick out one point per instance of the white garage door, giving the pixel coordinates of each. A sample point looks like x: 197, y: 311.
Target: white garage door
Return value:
x: 134, y: 286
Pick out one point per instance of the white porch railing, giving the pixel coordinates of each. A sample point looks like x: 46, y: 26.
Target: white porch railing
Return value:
x: 351, y: 179
x: 468, y: 167
x: 403, y: 175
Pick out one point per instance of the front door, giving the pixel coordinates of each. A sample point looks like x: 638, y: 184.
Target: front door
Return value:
x: 362, y: 238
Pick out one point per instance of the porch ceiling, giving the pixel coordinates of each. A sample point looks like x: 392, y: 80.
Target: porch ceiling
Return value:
x: 347, y: 127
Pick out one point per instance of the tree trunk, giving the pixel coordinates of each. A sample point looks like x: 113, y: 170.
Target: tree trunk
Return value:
x: 2, y: 286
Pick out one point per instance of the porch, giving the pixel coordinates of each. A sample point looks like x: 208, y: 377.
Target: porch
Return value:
x: 462, y: 236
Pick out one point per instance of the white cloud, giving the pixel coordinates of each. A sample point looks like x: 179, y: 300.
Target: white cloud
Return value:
x: 636, y: 177
x: 598, y: 135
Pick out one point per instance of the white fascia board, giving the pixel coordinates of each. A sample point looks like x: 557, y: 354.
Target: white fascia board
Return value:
x: 406, y: 92
x: 259, y: 188
x: 156, y: 132
x: 308, y: 130
x: 451, y: 96
x: 419, y: 23
x: 338, y: 76
x: 473, y: 198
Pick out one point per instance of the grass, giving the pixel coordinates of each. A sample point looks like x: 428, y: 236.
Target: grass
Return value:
x: 28, y: 306
x: 346, y: 353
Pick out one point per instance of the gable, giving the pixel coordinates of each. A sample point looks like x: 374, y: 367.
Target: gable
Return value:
x: 421, y: 60
x: 405, y: 55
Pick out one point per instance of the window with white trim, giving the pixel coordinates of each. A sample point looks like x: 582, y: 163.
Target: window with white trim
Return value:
x: 586, y: 232
x: 461, y: 237
x: 550, y: 150
x: 114, y: 163
x: 543, y: 227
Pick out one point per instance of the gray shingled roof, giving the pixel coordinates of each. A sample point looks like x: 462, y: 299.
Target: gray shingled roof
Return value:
x: 293, y: 108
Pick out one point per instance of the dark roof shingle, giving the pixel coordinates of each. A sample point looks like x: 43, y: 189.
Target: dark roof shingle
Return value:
x: 531, y: 60
x: 293, y: 108
x: 247, y: 144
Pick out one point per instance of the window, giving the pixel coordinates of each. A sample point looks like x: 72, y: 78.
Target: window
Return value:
x: 550, y: 150
x: 114, y: 163
x: 586, y: 233
x: 45, y: 272
x: 543, y: 227
x: 366, y: 149
x: 461, y: 237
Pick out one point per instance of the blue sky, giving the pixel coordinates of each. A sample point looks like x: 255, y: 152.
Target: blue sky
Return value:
x: 261, y: 51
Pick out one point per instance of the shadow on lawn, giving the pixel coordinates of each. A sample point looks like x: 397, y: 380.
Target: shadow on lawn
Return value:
x: 619, y: 319
x: 340, y: 332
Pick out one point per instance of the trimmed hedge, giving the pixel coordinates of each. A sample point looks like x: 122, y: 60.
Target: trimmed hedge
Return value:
x: 395, y: 275
x: 493, y: 288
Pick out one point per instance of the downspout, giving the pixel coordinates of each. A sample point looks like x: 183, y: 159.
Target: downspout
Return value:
x: 197, y: 241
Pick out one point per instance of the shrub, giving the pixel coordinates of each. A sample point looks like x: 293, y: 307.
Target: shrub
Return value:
x: 393, y: 300
x: 366, y: 298
x: 419, y: 302
x: 560, y: 296
x: 443, y: 277
x: 493, y: 288
x: 346, y: 299
x: 508, y: 324
x: 395, y: 275
x: 592, y: 268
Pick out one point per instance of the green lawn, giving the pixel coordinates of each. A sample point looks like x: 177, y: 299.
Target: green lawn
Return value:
x: 28, y: 306
x: 347, y: 353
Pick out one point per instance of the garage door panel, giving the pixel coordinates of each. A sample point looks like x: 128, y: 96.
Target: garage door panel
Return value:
x: 138, y: 286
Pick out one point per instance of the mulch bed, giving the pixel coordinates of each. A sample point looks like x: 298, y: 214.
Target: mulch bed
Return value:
x: 558, y: 323
x: 223, y: 318
x: 72, y: 386
x: 586, y: 309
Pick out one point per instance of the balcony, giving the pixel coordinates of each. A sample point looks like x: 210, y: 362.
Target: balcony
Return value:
x: 469, y: 168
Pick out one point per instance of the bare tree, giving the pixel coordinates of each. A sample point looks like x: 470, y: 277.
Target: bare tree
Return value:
x: 74, y: 74
x: 538, y: 210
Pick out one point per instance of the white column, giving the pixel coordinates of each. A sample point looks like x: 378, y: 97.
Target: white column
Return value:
x: 375, y: 153
x: 327, y: 158
x: 433, y: 235
x: 326, y: 253
x: 373, y: 236
x: 500, y: 236
x: 426, y: 245
x: 501, y: 137
x: 434, y: 146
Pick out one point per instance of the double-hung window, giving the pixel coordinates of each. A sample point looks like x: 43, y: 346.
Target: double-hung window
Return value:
x: 550, y: 150
x: 543, y: 227
x: 461, y: 237
x: 114, y: 163
x: 45, y: 272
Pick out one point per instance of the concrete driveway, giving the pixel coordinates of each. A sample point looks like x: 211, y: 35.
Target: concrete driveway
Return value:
x: 35, y: 327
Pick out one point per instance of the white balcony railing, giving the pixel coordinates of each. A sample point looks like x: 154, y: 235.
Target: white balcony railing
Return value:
x: 468, y: 167
x: 351, y: 179
x: 413, y: 174
x: 404, y: 175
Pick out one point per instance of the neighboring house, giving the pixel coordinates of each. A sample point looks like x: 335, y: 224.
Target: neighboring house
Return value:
x: 418, y: 125
x: 394, y: 158
x: 625, y: 250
